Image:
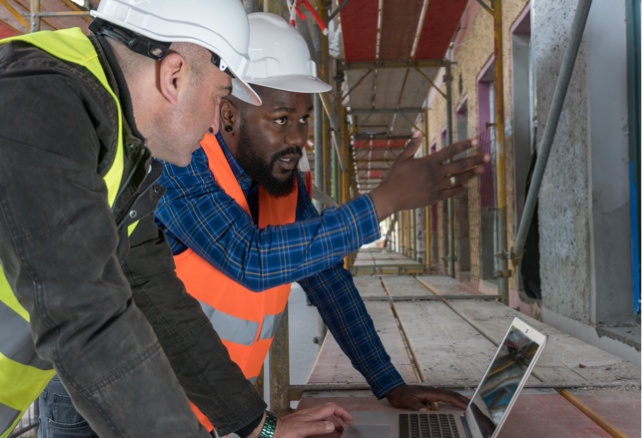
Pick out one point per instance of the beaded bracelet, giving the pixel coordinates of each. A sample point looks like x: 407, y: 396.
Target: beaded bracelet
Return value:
x: 269, y: 426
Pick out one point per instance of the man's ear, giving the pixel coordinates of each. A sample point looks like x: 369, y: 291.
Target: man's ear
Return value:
x: 228, y: 112
x: 172, y: 76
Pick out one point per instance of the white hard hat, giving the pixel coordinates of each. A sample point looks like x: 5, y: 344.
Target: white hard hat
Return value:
x: 279, y: 58
x: 220, y: 26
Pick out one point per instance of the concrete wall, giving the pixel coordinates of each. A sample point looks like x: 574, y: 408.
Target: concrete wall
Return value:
x: 583, y: 202
x: 609, y: 182
x: 564, y: 198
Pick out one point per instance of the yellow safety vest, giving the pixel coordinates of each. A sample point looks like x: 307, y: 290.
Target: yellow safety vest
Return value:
x: 246, y: 321
x: 23, y: 375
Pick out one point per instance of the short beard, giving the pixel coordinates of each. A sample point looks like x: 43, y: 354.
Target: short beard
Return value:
x: 259, y: 171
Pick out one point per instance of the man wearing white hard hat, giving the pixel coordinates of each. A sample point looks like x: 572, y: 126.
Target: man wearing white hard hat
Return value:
x: 87, y: 287
x: 242, y: 226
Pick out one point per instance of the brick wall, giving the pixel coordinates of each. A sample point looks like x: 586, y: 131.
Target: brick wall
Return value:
x: 473, y: 49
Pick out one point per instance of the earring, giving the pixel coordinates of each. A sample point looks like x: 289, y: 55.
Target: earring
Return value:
x: 228, y: 128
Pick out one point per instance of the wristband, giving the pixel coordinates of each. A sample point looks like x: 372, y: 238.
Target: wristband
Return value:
x: 269, y: 426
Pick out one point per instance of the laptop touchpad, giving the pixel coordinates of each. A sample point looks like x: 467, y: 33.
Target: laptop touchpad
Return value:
x: 366, y: 431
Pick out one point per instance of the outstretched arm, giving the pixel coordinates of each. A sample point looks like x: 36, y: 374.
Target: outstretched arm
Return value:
x: 196, y: 213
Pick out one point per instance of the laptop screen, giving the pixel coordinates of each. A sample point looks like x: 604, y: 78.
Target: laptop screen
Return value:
x: 505, y: 377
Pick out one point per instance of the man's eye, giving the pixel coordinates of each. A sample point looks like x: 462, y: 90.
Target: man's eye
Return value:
x: 304, y: 120
x: 281, y: 121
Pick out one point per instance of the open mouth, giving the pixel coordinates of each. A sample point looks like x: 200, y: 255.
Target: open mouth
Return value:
x: 289, y: 161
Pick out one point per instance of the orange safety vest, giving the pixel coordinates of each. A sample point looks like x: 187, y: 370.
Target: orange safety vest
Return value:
x: 245, y: 320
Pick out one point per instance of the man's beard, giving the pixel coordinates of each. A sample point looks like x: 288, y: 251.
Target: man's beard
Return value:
x: 261, y: 172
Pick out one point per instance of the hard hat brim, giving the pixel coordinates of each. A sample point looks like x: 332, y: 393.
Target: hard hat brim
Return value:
x: 249, y: 94
x: 291, y: 83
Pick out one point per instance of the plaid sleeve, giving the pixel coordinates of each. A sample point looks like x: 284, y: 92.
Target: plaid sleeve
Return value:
x: 334, y: 294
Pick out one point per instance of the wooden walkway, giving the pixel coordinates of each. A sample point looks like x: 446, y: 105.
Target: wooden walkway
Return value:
x: 439, y: 332
x: 380, y: 262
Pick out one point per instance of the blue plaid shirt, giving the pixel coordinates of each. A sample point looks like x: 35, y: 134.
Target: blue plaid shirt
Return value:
x: 195, y: 212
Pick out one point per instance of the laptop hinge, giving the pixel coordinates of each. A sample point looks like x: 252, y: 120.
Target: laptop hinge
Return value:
x: 469, y: 434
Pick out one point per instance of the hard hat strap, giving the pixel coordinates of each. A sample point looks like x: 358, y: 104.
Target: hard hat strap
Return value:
x: 135, y: 42
x: 218, y: 62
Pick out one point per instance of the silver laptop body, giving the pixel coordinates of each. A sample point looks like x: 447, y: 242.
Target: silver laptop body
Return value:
x: 488, y: 408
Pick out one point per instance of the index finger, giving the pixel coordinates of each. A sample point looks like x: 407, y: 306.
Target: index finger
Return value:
x: 412, y: 146
x: 433, y: 395
x: 455, y: 398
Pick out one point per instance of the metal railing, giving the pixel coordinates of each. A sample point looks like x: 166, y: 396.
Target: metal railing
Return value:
x: 27, y: 427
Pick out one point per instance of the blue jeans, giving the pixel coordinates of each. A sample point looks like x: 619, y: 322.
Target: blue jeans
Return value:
x: 58, y: 416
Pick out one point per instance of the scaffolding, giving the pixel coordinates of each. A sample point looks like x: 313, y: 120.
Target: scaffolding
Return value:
x: 357, y: 138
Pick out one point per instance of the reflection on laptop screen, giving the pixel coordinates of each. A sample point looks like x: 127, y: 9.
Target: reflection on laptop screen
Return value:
x: 502, y: 381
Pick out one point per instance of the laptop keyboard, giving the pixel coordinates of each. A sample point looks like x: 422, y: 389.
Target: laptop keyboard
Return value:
x: 420, y: 425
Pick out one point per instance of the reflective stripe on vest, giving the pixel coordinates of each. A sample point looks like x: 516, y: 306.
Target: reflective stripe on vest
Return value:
x: 241, y: 331
x: 23, y: 375
x: 245, y: 320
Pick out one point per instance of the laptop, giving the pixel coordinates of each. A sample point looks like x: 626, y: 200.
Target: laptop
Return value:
x: 488, y: 408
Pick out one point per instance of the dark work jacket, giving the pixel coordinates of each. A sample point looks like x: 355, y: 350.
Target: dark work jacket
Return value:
x: 107, y: 310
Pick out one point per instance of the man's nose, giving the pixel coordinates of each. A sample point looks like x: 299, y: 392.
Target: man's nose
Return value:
x: 297, y: 136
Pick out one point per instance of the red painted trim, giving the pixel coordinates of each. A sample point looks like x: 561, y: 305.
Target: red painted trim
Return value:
x: 7, y: 31
x: 377, y: 144
x: 375, y: 174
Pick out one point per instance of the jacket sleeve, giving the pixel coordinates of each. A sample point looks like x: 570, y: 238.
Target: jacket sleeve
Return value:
x: 212, y: 381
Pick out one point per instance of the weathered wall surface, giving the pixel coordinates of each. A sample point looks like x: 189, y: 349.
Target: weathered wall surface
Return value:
x: 609, y: 174
x: 564, y: 195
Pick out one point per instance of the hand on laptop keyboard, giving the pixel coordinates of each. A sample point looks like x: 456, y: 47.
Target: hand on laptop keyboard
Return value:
x: 418, y: 397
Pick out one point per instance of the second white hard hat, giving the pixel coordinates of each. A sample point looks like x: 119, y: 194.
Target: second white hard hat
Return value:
x: 279, y: 58
x: 220, y: 26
